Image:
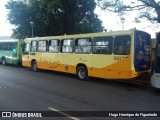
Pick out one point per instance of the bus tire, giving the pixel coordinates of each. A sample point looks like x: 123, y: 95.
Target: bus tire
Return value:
x: 82, y: 73
x: 4, y: 61
x: 34, y: 66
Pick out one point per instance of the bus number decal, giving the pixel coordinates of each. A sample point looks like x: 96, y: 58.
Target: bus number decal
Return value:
x: 116, y: 58
x: 82, y: 60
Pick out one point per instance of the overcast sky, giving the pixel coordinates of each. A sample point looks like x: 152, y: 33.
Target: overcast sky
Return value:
x: 110, y: 21
x: 5, y: 27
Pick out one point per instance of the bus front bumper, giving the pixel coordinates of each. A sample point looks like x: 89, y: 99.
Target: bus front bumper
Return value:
x: 155, y: 80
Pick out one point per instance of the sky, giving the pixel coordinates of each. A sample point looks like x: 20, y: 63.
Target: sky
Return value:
x: 110, y: 20
x: 5, y: 27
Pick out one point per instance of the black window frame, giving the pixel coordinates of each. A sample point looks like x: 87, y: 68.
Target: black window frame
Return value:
x: 72, y: 46
x: 8, y: 46
x: 121, y: 46
x: 38, y: 46
x: 24, y: 46
x: 100, y: 51
x: 34, y: 46
x: 81, y: 47
x: 54, y: 45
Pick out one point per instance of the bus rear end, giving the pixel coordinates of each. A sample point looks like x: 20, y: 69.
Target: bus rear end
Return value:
x: 142, y: 51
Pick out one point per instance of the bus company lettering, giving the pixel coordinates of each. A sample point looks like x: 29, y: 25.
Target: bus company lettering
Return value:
x: 82, y: 60
x: 119, y: 57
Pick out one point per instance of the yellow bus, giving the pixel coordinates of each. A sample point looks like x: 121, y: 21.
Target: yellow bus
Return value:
x: 110, y: 55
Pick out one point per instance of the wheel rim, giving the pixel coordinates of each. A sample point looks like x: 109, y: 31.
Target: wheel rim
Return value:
x: 82, y: 73
x: 3, y: 62
x: 34, y: 66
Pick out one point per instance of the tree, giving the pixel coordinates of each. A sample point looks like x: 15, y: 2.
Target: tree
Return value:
x: 19, y: 10
x: 46, y: 22
x: 69, y: 7
x: 86, y: 20
x: 53, y: 17
x: 79, y: 16
x: 149, y: 9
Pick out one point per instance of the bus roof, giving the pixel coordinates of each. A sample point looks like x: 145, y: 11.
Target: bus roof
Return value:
x: 111, y: 33
x: 10, y: 40
x: 82, y: 35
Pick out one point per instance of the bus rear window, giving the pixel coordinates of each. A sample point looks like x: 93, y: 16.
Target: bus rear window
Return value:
x: 142, y: 52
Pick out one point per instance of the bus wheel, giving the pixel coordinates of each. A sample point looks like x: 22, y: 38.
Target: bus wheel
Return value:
x: 3, y: 61
x: 82, y: 73
x: 34, y: 66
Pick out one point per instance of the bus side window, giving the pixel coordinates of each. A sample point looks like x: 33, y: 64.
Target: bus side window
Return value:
x: 7, y: 46
x: 4, y: 46
x: 42, y: 46
x: 158, y: 54
x: 83, y: 45
x: 67, y: 45
x: 102, y: 45
x: 54, y: 46
x: 122, y: 45
x: 12, y: 45
x: 33, y: 46
x: 1, y: 46
x: 26, y: 48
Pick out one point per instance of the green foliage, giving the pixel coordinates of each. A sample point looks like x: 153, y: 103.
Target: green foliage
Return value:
x: 86, y: 19
x: 53, y: 17
x: 19, y: 14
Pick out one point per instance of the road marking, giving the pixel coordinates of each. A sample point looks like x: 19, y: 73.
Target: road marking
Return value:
x: 62, y: 113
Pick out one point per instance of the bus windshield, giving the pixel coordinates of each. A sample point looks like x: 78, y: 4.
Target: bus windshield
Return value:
x: 157, y: 55
x: 142, y: 61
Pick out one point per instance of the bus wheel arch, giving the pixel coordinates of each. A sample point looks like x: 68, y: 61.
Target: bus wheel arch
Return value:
x: 34, y: 65
x: 82, y: 72
x: 4, y: 61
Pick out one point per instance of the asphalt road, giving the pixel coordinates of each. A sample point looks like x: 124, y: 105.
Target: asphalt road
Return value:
x: 24, y: 90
